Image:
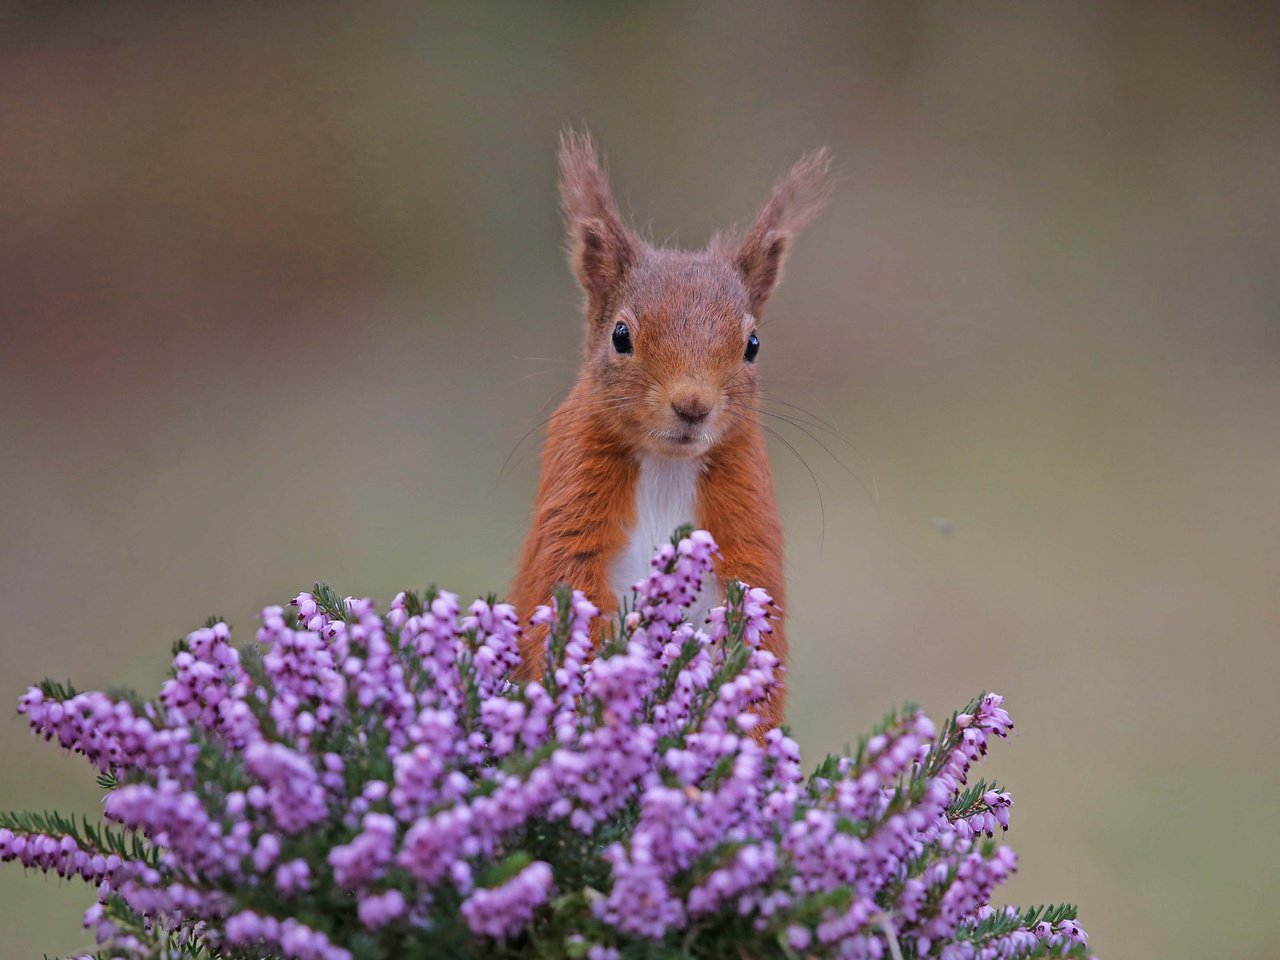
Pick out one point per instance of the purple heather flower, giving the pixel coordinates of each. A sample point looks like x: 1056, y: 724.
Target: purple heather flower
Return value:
x: 287, y: 937
x: 752, y: 866
x: 363, y: 860
x: 1072, y: 931
x: 209, y: 687
x: 433, y: 843
x: 379, y: 909
x: 502, y: 910
x: 109, y: 734
x: 60, y: 855
x: 798, y: 937
x: 386, y: 763
x: 293, y: 877
x: 290, y: 786
x: 178, y: 820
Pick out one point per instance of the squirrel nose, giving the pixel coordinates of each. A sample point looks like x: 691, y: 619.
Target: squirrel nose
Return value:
x: 692, y: 408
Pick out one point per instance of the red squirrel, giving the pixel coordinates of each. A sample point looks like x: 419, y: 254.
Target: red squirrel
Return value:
x: 661, y: 427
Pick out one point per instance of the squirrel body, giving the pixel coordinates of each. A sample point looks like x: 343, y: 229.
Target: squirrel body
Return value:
x: 662, y: 427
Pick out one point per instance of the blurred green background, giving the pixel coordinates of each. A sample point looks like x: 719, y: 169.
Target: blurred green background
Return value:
x: 281, y: 287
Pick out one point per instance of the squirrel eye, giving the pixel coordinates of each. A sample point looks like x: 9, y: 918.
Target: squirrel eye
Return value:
x: 753, y: 347
x: 622, y: 338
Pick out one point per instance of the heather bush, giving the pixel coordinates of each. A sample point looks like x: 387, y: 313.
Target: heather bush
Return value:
x: 366, y: 786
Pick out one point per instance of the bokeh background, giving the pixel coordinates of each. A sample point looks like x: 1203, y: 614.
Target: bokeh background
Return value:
x: 281, y: 289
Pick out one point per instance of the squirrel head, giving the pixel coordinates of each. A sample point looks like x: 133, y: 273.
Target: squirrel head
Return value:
x: 671, y: 335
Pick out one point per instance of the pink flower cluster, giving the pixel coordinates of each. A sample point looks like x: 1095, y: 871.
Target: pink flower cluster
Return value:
x: 361, y: 782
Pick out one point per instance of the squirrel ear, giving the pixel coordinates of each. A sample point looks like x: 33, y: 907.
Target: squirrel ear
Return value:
x: 796, y: 200
x: 601, y: 248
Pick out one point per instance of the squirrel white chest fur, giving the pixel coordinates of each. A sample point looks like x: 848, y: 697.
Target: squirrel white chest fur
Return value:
x: 666, y: 498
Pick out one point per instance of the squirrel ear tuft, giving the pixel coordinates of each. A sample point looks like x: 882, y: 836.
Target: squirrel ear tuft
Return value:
x: 796, y: 200
x: 601, y: 248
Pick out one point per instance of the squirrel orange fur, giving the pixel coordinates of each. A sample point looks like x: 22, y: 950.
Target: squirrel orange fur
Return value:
x: 662, y: 424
